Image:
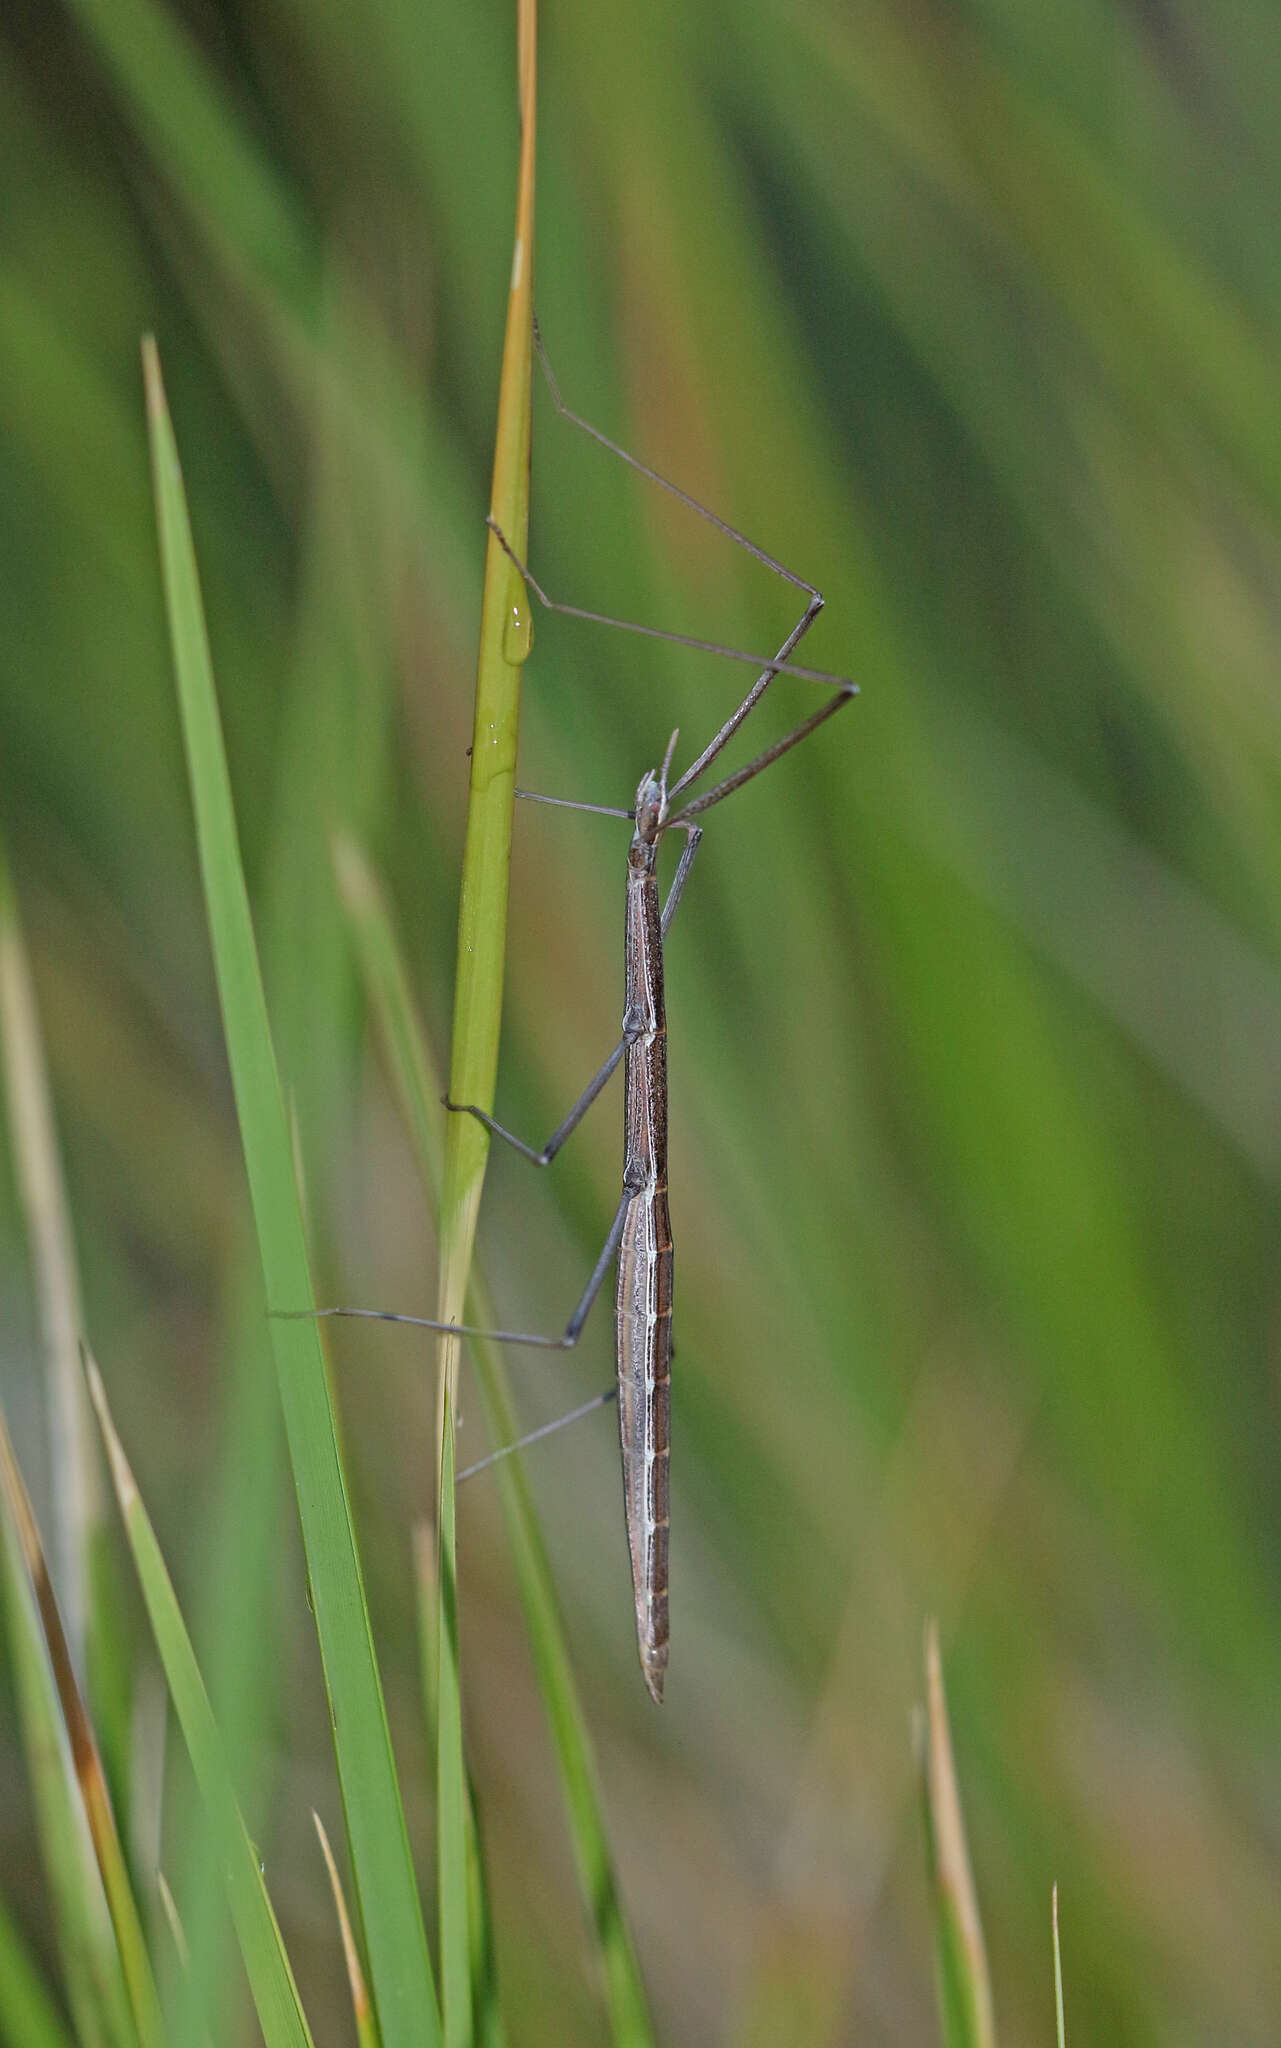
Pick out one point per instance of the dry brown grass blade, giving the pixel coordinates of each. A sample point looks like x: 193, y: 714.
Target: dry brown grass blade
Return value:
x: 362, y: 2010
x: 965, y: 1993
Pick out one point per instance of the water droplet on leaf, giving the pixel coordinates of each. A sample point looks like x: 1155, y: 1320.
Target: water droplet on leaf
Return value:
x: 518, y: 630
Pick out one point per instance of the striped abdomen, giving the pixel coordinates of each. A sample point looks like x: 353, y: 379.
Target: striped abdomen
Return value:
x: 644, y: 1415
x: 644, y: 1300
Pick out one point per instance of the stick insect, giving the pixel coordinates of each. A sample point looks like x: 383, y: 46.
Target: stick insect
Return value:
x: 640, y: 1235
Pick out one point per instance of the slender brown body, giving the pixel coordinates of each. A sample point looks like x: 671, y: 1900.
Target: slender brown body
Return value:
x: 644, y: 1298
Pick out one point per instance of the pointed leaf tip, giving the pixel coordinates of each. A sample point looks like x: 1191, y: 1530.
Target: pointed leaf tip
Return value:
x: 121, y: 1475
x: 153, y: 382
x: 961, y: 1963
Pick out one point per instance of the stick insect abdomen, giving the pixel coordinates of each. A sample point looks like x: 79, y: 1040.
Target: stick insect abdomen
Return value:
x: 644, y: 1297
x: 644, y: 1416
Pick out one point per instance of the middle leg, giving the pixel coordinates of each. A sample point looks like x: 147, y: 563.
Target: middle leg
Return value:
x: 544, y: 1154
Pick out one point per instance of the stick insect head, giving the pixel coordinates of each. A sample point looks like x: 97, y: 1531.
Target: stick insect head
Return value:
x: 651, y: 798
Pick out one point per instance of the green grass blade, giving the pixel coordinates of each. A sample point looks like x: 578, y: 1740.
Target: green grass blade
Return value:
x: 177, y: 107
x: 92, y: 1975
x: 109, y: 1977
x: 189, y: 2030
x: 28, y: 2016
x: 478, y: 999
x: 504, y: 643
x: 418, y: 1088
x: 487, y: 2019
x: 76, y: 1491
x: 964, y: 1992
x: 81, y: 1555
x: 1060, y: 2031
x: 490, y: 2031
x: 400, y: 1968
x: 451, y: 1783
x: 91, y: 1966
x: 270, y: 1977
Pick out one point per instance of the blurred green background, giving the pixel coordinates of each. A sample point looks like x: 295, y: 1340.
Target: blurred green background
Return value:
x: 968, y: 309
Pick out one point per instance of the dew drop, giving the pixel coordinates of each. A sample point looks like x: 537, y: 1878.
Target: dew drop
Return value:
x: 518, y: 630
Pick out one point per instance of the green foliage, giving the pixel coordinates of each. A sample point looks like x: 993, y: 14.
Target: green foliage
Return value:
x: 28, y: 2016
x: 93, y: 1973
x: 267, y: 1966
x: 403, y: 1990
x: 970, y: 314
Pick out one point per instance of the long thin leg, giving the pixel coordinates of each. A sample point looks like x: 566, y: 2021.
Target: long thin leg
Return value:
x: 679, y: 879
x: 534, y: 1436
x: 565, y: 1342
x: 664, y: 483
x: 770, y: 664
x: 769, y: 670
x: 543, y: 1156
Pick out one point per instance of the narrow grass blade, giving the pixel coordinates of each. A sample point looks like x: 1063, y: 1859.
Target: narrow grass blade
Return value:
x: 169, y: 1907
x: 135, y: 1964
x: 487, y: 2017
x: 90, y: 1964
x: 362, y: 2010
x: 451, y: 1784
x: 418, y: 1087
x: 478, y: 997
x: 148, y: 1741
x: 191, y: 2032
x: 390, y: 1912
x: 179, y: 111
x: 80, y: 1561
x: 187, y: 2030
x: 504, y: 643
x: 270, y: 1977
x: 490, y: 2031
x: 964, y: 1993
x: 1060, y: 2031
x: 235, y: 1530
x: 427, y: 1589
x: 28, y: 2016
